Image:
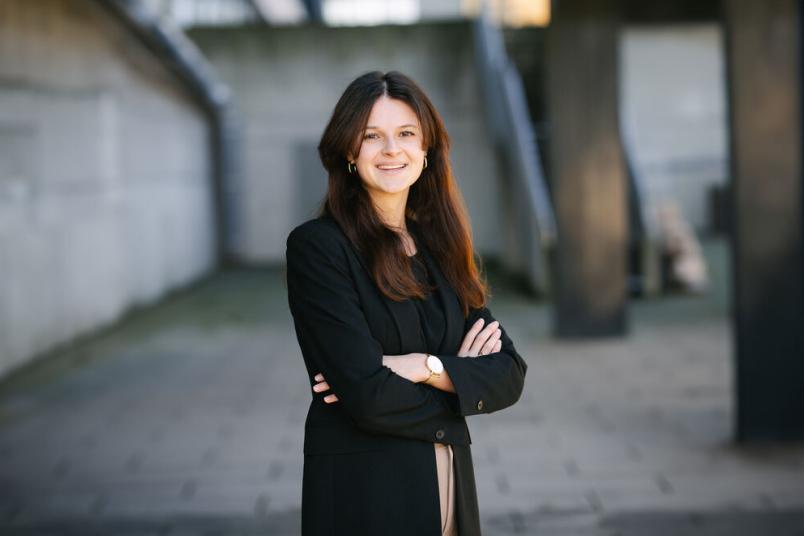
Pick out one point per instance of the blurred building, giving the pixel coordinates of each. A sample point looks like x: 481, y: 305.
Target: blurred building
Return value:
x: 229, y: 12
x: 285, y: 85
x: 107, y: 197
x: 588, y: 151
x: 679, y: 150
x: 346, y: 12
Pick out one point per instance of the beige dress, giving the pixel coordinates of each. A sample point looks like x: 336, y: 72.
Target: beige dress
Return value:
x: 446, y: 488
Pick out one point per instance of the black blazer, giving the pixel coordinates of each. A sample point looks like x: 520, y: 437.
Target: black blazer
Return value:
x: 369, y: 464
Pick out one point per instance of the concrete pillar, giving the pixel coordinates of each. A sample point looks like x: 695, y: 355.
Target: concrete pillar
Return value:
x: 764, y: 62
x: 588, y: 175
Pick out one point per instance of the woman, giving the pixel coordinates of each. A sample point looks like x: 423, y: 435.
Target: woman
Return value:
x: 389, y: 310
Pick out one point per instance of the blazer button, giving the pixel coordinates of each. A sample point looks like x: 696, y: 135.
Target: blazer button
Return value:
x: 440, y: 434
x: 480, y: 406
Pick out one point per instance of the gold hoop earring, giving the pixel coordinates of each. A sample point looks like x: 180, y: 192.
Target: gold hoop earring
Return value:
x: 425, y: 162
x: 351, y: 167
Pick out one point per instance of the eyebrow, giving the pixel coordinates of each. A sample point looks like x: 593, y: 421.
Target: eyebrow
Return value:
x: 403, y: 126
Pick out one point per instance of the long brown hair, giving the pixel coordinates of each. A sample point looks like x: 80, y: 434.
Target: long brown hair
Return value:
x: 434, y: 201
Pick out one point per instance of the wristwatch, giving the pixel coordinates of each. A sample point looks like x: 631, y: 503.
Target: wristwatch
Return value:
x: 434, y: 365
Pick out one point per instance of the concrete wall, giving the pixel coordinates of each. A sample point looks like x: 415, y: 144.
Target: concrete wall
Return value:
x: 286, y: 82
x: 105, y: 176
x: 673, y: 113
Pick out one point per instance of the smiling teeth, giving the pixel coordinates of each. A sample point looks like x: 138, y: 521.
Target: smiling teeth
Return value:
x: 392, y: 167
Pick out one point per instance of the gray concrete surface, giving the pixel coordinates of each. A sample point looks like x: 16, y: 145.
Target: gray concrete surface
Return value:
x: 187, y: 419
x: 673, y: 111
x: 105, y: 176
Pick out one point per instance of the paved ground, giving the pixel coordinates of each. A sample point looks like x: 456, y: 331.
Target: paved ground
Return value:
x: 186, y: 419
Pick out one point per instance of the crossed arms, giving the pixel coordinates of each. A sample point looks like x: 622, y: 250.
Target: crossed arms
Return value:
x: 388, y: 394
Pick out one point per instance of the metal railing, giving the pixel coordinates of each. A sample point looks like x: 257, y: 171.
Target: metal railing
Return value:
x: 531, y: 211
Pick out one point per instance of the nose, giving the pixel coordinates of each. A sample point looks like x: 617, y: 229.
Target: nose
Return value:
x: 391, y: 146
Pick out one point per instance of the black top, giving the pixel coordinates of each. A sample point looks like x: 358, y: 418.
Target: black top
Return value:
x: 430, y: 309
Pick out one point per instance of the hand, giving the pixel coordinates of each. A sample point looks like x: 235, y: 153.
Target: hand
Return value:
x: 322, y: 386
x: 481, y: 341
x: 409, y: 366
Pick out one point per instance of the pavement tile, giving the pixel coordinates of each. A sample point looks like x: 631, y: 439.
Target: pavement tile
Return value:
x: 188, y: 419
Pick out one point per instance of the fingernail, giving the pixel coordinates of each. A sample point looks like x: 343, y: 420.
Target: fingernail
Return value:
x: 479, y: 321
x: 319, y: 377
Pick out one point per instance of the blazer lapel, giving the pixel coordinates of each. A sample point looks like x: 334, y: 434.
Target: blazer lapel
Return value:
x: 453, y: 315
x: 406, y: 318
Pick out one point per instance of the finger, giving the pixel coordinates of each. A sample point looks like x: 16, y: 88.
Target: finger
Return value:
x: 321, y: 387
x: 489, y: 346
x: 319, y: 377
x: 329, y: 399
x: 498, y: 347
x: 482, y: 337
x: 470, y: 336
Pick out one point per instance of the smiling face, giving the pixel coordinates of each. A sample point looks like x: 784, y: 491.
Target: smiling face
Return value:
x: 391, y: 154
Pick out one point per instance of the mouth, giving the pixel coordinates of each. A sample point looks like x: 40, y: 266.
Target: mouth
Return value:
x: 391, y: 167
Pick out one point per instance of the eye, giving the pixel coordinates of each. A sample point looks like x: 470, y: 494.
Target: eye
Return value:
x: 408, y: 133
x: 370, y: 136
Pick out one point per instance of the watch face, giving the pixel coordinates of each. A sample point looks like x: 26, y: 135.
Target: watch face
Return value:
x: 435, y: 364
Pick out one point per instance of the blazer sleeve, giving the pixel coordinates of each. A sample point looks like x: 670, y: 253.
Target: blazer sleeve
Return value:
x: 334, y: 335
x: 487, y: 383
